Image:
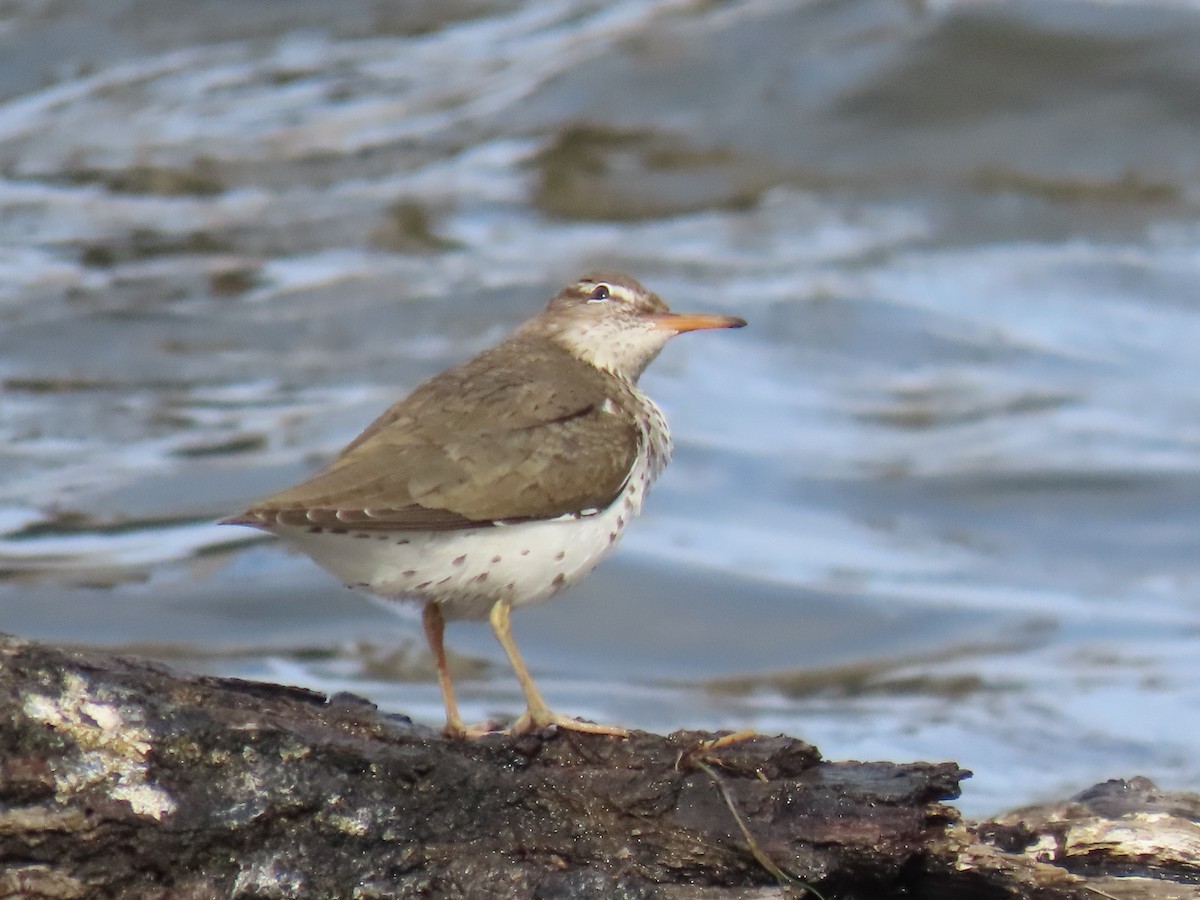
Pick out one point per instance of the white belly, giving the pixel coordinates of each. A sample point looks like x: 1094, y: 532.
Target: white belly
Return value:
x: 467, y: 571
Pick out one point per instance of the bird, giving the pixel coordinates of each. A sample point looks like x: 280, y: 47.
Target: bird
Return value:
x: 502, y: 480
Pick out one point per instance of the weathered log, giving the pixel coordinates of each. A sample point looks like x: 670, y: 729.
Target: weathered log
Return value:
x: 1123, y: 838
x: 121, y: 778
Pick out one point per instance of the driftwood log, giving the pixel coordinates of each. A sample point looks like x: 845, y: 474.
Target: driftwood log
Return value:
x: 121, y: 778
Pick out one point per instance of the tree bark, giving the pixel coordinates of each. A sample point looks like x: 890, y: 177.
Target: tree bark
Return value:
x: 121, y: 778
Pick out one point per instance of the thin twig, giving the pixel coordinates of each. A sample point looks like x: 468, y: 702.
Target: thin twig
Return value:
x: 785, y: 880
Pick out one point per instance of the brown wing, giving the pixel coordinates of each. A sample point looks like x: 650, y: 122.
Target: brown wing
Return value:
x: 505, y: 436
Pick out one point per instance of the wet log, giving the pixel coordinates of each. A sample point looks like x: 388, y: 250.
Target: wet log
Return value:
x: 122, y: 778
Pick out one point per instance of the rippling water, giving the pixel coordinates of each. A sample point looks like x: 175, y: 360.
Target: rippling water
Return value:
x: 938, y: 501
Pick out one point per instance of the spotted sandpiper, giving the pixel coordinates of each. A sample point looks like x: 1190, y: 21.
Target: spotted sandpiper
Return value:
x: 502, y: 480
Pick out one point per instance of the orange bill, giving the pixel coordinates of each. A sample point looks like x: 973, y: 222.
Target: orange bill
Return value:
x: 681, y: 322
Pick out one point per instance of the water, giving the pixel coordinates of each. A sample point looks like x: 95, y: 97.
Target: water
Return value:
x: 938, y: 501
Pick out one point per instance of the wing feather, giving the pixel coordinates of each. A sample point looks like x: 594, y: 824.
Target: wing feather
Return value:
x: 504, y: 437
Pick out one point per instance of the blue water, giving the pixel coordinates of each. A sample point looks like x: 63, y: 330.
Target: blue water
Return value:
x: 937, y: 501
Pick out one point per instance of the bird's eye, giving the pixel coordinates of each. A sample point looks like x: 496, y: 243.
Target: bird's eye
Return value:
x: 599, y: 294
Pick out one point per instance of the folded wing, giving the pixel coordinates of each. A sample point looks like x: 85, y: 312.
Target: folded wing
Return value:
x: 504, y: 437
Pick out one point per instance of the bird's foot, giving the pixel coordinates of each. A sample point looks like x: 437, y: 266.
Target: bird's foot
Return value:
x: 703, y: 752
x: 459, y: 730
x: 726, y: 739
x: 536, y: 720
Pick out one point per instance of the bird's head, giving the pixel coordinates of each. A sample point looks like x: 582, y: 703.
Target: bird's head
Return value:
x: 611, y: 321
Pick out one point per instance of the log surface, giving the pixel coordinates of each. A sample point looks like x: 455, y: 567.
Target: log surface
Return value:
x: 122, y: 778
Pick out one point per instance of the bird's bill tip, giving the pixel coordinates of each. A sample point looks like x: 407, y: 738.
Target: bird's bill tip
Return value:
x: 681, y: 322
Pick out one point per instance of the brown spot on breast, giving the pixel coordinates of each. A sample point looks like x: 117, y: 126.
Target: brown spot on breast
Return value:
x: 560, y: 555
x: 316, y: 529
x: 402, y: 542
x: 620, y: 521
x: 422, y: 585
x: 480, y: 578
x: 495, y: 559
x: 459, y: 560
x: 559, y: 580
x: 612, y: 536
x: 361, y: 535
x: 337, y: 531
x: 524, y: 552
x: 409, y: 573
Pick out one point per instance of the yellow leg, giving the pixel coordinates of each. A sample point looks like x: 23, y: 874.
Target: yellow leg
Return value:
x: 435, y: 625
x: 537, y: 714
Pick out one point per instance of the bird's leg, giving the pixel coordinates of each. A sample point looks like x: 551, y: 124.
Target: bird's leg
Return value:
x: 435, y: 625
x: 537, y: 714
